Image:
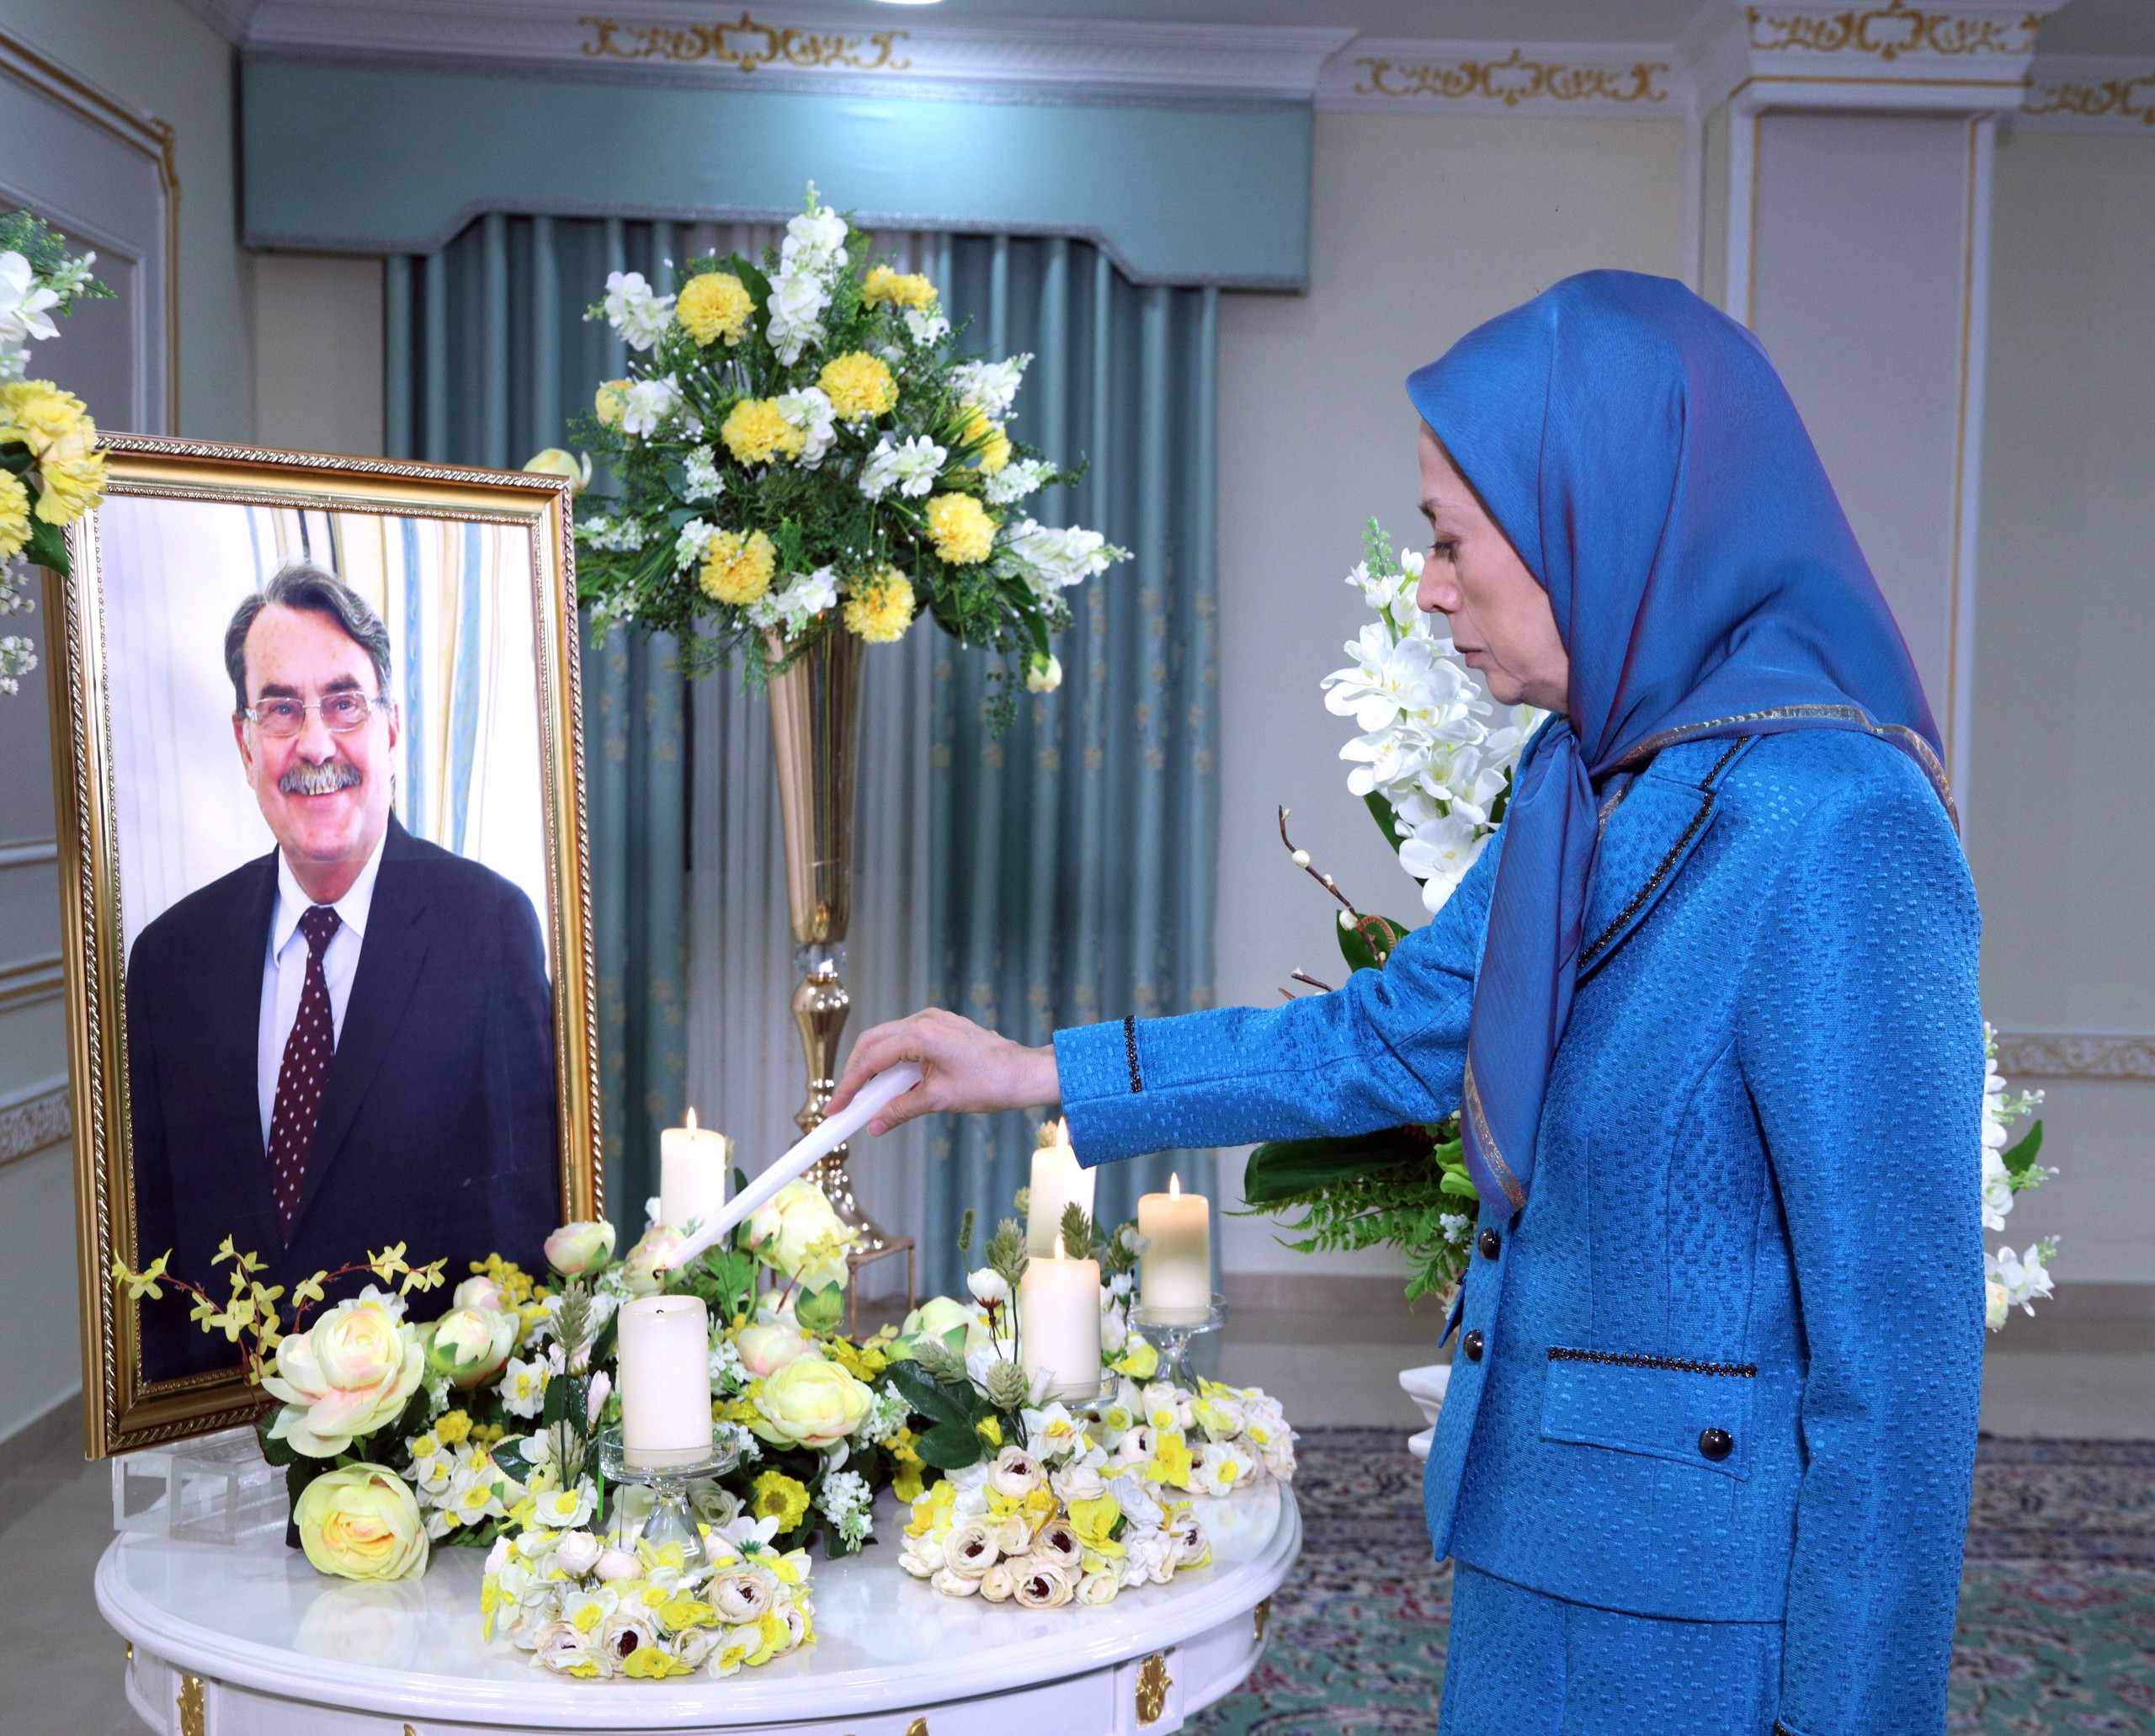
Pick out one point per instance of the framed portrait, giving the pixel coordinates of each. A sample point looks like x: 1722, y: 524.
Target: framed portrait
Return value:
x: 324, y: 890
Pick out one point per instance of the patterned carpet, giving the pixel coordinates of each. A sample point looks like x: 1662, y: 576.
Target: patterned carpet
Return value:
x: 2058, y: 1604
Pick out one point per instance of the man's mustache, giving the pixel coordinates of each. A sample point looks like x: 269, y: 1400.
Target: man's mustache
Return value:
x: 325, y: 779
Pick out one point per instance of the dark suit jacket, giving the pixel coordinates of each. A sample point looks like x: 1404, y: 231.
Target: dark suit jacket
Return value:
x: 438, y: 1125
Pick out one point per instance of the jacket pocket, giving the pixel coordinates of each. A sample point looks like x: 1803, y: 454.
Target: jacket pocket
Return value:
x: 1696, y: 1413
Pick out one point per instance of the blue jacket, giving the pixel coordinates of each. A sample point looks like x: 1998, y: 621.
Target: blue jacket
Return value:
x: 1755, y: 1212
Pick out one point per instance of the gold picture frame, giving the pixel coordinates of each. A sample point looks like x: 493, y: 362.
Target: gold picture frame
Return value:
x: 122, y: 1410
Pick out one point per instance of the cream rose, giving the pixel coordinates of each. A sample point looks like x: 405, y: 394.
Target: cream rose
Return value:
x: 795, y: 1233
x: 362, y: 1522
x: 576, y: 1249
x: 741, y: 1595
x: 1017, y: 1473
x: 996, y: 1584
x: 348, y: 1375
x: 765, y: 1349
x: 1042, y: 1585
x: 810, y: 1402
x: 470, y: 1345
x: 970, y: 1550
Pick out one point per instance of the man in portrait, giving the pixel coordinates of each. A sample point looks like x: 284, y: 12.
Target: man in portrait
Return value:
x: 346, y: 1043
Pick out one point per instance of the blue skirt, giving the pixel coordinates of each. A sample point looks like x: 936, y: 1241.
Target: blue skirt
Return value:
x: 1522, y: 1664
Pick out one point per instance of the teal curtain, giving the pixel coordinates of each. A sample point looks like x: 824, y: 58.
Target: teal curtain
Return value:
x: 488, y: 356
x: 1073, y: 858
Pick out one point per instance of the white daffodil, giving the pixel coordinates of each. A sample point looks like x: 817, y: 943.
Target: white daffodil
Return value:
x: 523, y: 1387
x: 634, y: 310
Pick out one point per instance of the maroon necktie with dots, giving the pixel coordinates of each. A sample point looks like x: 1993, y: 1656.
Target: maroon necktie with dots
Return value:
x: 300, y: 1075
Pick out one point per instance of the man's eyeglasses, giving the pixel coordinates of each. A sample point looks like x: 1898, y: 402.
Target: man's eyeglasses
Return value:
x: 341, y: 714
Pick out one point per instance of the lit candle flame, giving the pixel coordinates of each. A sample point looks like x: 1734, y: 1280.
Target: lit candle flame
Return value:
x: 1059, y: 1253
x: 692, y: 1118
x: 1174, y: 1183
x: 1062, y: 1131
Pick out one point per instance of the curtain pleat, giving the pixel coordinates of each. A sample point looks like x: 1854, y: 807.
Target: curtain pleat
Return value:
x: 1072, y: 859
x: 1060, y: 873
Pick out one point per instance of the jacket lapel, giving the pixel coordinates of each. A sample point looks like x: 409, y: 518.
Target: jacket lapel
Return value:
x: 1648, y: 830
x: 389, y: 957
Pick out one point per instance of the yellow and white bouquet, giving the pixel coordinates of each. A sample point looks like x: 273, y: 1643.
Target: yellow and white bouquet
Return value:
x: 797, y: 451
x: 583, y: 1607
x: 51, y: 470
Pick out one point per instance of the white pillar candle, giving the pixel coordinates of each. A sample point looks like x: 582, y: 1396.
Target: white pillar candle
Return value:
x: 696, y: 1172
x: 1059, y: 1181
x: 1174, y: 1273
x: 1059, y: 1322
x: 665, y: 1378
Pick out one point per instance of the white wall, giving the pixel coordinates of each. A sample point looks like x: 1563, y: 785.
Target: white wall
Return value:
x: 1423, y: 226
x: 157, y: 57
x: 317, y: 352
x: 2062, y: 831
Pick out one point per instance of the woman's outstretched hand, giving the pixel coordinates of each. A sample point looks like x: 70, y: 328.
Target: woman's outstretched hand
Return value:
x: 963, y: 1068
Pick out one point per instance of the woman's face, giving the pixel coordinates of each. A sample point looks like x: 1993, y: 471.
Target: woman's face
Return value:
x: 1499, y: 614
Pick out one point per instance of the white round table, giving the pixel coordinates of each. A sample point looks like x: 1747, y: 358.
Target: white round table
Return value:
x: 247, y: 1639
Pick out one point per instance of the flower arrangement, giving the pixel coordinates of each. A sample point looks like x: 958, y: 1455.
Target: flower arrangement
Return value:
x: 2010, y: 1279
x: 1437, y: 776
x: 51, y: 470
x: 1040, y: 1503
x: 796, y: 451
x: 584, y: 1607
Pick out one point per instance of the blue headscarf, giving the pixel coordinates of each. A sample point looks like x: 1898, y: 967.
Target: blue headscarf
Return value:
x: 1639, y: 450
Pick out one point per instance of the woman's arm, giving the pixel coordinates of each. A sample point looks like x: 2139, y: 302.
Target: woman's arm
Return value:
x: 1861, y: 1041
x: 1386, y: 1048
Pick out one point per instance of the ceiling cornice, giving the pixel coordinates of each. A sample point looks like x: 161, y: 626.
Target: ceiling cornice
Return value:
x: 791, y: 48
x: 1977, y: 55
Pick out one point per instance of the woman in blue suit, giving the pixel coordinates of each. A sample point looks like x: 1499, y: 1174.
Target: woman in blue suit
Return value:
x: 1708, y: 1004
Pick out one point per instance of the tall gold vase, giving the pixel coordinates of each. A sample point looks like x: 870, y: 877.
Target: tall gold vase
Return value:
x: 815, y: 729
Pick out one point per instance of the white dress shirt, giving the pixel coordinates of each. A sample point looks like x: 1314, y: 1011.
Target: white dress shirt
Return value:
x: 284, y: 971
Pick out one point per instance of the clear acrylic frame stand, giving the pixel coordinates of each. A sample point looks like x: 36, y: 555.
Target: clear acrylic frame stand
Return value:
x: 216, y: 1488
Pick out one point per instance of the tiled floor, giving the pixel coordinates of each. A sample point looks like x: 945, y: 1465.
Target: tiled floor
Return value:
x: 61, y: 1665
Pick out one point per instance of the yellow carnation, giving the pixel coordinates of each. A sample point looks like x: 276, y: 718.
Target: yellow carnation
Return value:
x: 755, y: 432
x: 988, y: 442
x: 14, y: 515
x: 610, y: 400
x: 858, y: 386
x: 738, y: 568
x: 56, y: 426
x: 776, y: 1495
x: 959, y: 525
x: 881, y: 608
x: 714, y: 305
x: 886, y: 288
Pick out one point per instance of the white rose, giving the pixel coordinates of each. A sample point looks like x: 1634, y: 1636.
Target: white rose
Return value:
x: 617, y: 1564
x: 578, y: 1552
x: 996, y: 1584
x: 1097, y: 1587
x: 1017, y: 1473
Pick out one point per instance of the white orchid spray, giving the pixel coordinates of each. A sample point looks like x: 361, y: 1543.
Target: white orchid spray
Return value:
x: 1434, y: 757
x: 2010, y: 1280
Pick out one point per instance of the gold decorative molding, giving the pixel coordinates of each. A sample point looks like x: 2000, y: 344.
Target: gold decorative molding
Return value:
x: 193, y: 1718
x: 1512, y: 80
x: 2126, y: 99
x: 918, y: 1726
x: 2076, y: 1054
x: 1892, y: 30
x: 1262, y: 1616
x: 1153, y: 1682
x: 35, y: 1122
x: 747, y: 43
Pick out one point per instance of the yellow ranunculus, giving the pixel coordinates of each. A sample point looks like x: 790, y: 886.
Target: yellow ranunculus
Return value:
x: 15, y: 514
x: 755, y: 432
x: 362, y: 1522
x: 990, y: 445
x: 714, y: 305
x: 738, y: 566
x: 610, y: 401
x: 810, y: 1402
x: 881, y: 608
x: 858, y: 386
x: 777, y: 1496
x: 960, y: 527
x: 886, y: 288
